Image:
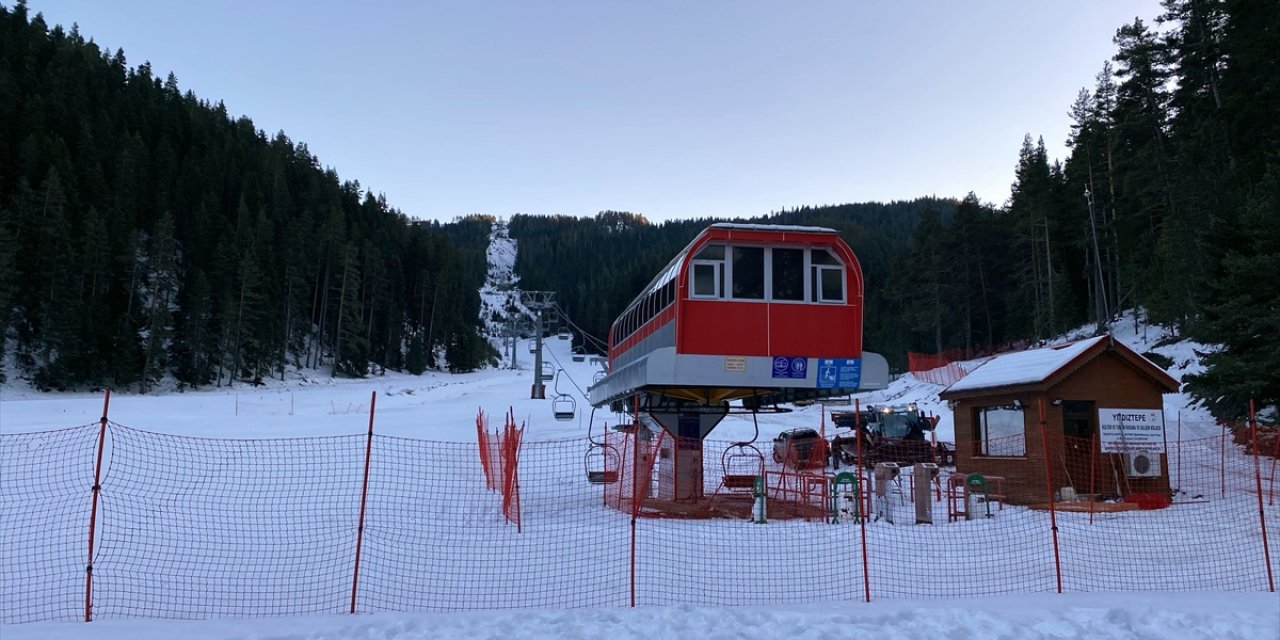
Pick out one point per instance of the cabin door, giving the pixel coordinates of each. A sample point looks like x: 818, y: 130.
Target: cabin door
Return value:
x: 1079, y: 426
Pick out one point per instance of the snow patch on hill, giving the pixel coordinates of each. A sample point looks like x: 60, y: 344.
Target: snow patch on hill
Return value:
x: 500, y: 295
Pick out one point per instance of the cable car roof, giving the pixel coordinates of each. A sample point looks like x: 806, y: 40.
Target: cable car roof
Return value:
x: 772, y: 227
x: 672, y: 269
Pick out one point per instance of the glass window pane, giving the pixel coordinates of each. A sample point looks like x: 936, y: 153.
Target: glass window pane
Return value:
x: 748, y: 273
x: 711, y: 252
x: 822, y: 256
x: 788, y: 274
x: 1003, y: 432
x: 832, y: 285
x: 704, y: 280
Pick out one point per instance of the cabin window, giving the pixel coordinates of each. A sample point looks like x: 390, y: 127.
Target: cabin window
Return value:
x: 748, y: 273
x: 708, y: 272
x: 707, y: 279
x: 1000, y: 431
x: 788, y: 274
x: 826, y: 277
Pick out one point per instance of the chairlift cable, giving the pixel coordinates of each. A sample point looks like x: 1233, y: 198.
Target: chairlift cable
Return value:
x: 602, y: 344
x: 551, y: 352
x: 565, y: 316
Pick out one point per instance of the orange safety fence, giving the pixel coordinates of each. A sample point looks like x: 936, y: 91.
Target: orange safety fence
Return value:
x: 206, y: 527
x: 499, y: 458
x: 488, y: 452
x: 943, y: 368
x: 935, y: 368
x: 510, y: 451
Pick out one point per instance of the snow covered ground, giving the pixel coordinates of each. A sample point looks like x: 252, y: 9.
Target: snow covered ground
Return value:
x: 1162, y: 616
x: 442, y: 407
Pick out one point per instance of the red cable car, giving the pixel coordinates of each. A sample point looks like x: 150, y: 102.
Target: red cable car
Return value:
x: 761, y: 313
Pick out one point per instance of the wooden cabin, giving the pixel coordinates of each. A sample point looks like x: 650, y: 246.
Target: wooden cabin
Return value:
x: 1102, y: 408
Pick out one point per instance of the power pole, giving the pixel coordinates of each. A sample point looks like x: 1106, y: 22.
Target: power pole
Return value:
x: 515, y: 327
x: 538, y: 302
x: 509, y: 331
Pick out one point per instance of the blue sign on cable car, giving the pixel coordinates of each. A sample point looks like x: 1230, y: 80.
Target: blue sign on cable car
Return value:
x: 790, y: 367
x: 839, y: 373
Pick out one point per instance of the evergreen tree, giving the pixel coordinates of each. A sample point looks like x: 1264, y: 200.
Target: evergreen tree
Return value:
x: 162, y: 287
x: 8, y: 284
x: 1038, y: 279
x: 1144, y: 196
x: 1245, y: 319
x: 351, y: 343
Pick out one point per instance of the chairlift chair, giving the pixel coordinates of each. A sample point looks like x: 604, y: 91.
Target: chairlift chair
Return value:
x: 563, y: 406
x: 598, y: 377
x: 602, y: 462
x: 741, y: 463
x: 548, y: 372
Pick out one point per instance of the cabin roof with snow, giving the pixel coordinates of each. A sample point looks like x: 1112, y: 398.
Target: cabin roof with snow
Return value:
x: 1040, y: 369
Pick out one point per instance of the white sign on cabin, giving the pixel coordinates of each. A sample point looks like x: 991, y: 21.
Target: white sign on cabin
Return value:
x: 1131, y: 430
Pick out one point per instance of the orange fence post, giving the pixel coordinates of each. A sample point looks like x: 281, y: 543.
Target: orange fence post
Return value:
x: 1179, y: 450
x: 635, y: 497
x: 1275, y: 457
x: 1222, y: 463
x: 482, y: 442
x: 857, y: 427
x: 1262, y: 516
x: 1048, y: 479
x: 364, y: 496
x: 1094, y: 447
x: 93, y: 510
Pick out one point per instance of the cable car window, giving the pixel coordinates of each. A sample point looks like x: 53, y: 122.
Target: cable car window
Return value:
x: 706, y: 279
x: 788, y: 274
x: 748, y: 273
x: 711, y: 252
x: 822, y: 256
x: 826, y: 277
x: 708, y: 272
x: 832, y: 285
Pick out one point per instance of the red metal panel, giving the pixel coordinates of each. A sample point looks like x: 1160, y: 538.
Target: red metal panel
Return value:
x: 723, y: 327
x: 728, y: 327
x: 815, y: 330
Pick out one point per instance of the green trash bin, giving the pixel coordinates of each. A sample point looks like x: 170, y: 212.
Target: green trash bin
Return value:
x: 976, y: 499
x: 846, y: 497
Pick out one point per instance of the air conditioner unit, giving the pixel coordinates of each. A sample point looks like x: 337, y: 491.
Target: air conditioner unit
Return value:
x: 1142, y: 465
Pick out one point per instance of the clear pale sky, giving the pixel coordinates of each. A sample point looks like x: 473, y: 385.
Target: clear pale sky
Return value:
x: 670, y: 109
